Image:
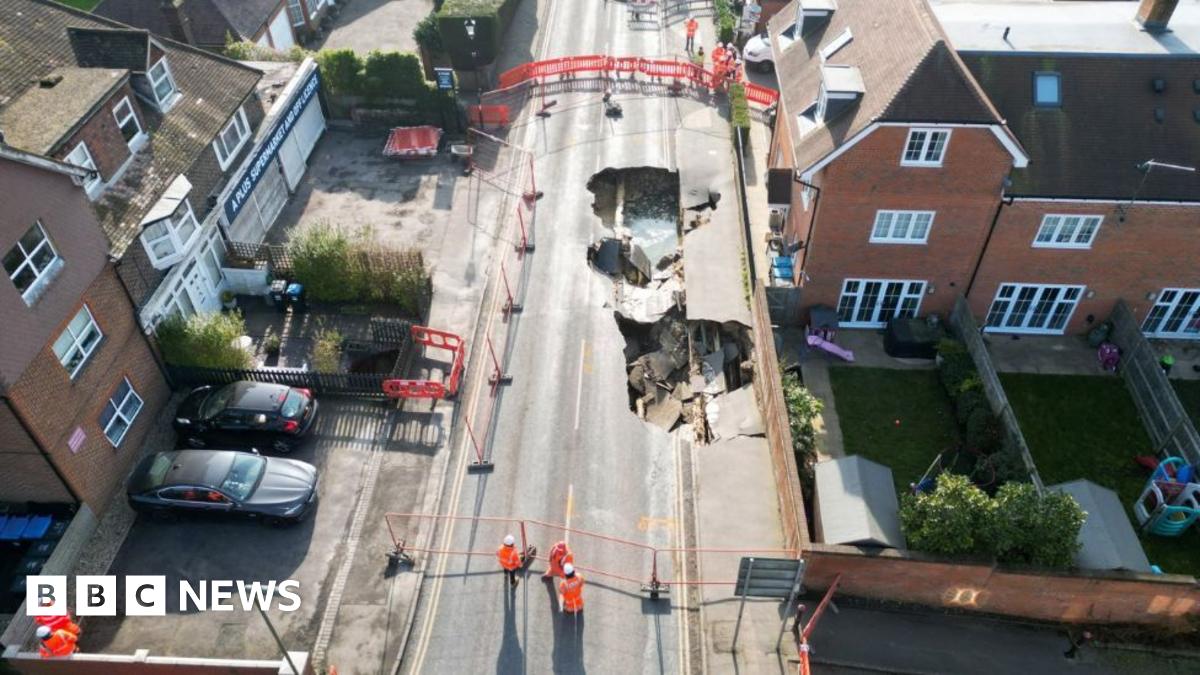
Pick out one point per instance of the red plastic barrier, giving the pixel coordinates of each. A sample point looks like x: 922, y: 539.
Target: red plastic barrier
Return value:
x: 759, y: 94
x: 414, y: 389
x: 514, y: 76
x: 488, y: 115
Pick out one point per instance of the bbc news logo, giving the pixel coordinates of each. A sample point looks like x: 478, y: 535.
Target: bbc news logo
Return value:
x: 146, y: 595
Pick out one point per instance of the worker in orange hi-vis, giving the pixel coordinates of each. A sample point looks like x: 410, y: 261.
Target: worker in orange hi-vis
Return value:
x: 54, y: 623
x: 571, y: 588
x: 560, y: 554
x: 56, y: 643
x: 718, y: 54
x: 691, y: 27
x: 510, y: 559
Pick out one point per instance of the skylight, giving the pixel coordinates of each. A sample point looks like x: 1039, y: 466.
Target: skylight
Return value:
x: 837, y: 43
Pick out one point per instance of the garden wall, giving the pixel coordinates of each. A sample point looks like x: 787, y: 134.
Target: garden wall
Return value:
x: 1081, y: 597
x: 965, y: 329
x: 768, y: 384
x: 1164, y: 417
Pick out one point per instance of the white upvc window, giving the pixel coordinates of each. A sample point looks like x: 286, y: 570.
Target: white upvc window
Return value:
x: 901, y: 227
x: 925, y: 147
x: 167, y: 240
x: 31, y: 263
x: 1067, y: 231
x: 1175, y: 314
x: 77, y: 341
x: 231, y: 139
x: 315, y: 6
x: 1032, y: 308
x: 870, y: 303
x: 82, y: 157
x: 295, y: 12
x: 120, y: 412
x: 127, y: 121
x: 163, y: 84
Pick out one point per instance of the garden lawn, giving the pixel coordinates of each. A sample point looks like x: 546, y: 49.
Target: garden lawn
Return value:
x: 1189, y: 396
x: 1087, y: 427
x: 869, y: 402
x: 85, y: 5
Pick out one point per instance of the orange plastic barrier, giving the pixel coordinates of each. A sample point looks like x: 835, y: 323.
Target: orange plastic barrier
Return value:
x: 488, y: 115
x: 414, y: 389
x: 756, y: 93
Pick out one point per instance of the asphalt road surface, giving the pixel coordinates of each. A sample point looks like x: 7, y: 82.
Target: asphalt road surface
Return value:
x: 567, y: 447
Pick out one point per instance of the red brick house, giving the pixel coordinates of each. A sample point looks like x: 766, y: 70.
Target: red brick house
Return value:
x: 921, y: 151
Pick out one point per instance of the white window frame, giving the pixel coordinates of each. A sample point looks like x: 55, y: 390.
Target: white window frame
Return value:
x: 1014, y: 298
x: 164, y: 104
x: 42, y: 276
x: 91, y: 184
x: 316, y: 7
x: 1057, y: 102
x: 83, y: 343
x: 172, y: 225
x: 134, y: 142
x: 883, y: 230
x: 856, y: 288
x: 119, y: 412
x: 225, y: 155
x: 1055, y: 226
x: 926, y: 145
x: 1181, y: 305
x: 836, y: 43
x: 298, y: 12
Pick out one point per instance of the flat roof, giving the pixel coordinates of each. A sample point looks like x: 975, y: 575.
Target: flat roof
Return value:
x: 41, y: 116
x: 1082, y: 26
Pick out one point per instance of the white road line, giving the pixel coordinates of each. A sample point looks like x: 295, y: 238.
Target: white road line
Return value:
x: 570, y: 508
x: 579, y: 387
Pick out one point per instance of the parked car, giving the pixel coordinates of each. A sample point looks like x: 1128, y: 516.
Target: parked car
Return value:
x: 757, y: 53
x: 246, y: 415
x: 223, y: 482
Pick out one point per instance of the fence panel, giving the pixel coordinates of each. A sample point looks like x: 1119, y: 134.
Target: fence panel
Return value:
x: 968, y: 331
x: 357, y: 384
x: 1165, y: 419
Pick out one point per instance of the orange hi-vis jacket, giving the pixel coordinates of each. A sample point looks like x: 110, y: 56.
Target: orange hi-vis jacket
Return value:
x: 572, y: 593
x: 692, y: 25
x: 560, y: 555
x: 510, y: 558
x: 718, y: 55
x: 55, y: 622
x: 60, y: 643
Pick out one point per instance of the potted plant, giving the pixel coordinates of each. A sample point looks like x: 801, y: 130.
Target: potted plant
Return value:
x: 271, y: 344
x: 228, y: 299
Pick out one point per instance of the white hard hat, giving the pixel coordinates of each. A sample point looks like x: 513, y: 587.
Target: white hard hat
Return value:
x: 509, y: 540
x: 43, y: 632
x: 568, y: 569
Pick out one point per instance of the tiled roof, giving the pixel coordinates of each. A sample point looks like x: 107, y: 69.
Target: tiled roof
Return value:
x: 900, y: 51
x: 1091, y: 145
x: 110, y: 47
x: 247, y: 16
x: 34, y: 42
x: 210, y: 19
x: 49, y: 111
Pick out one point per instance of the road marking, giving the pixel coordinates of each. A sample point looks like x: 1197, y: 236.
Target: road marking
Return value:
x: 579, y: 387
x: 647, y: 523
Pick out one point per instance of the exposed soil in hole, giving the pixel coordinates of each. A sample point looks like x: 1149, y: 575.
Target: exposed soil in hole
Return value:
x: 378, y: 362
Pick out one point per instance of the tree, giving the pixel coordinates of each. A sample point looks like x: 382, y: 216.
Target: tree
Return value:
x: 1035, y: 529
x: 952, y: 520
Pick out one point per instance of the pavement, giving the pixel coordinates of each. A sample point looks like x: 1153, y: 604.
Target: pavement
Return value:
x: 387, y: 25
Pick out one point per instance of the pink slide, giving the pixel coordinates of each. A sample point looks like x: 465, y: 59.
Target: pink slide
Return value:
x: 827, y: 346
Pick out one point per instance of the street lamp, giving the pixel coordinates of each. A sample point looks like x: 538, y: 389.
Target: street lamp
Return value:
x: 1146, y: 167
x: 469, y: 26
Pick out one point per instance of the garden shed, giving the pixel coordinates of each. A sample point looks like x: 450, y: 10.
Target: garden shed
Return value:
x: 1107, y: 540
x: 855, y: 503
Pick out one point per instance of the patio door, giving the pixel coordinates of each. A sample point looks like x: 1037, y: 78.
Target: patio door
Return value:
x: 869, y: 303
x: 1032, y: 308
x: 1175, y: 314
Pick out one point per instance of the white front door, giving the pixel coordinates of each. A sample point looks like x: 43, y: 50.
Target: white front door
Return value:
x: 1032, y: 308
x: 1175, y: 314
x: 281, y: 32
x: 869, y: 303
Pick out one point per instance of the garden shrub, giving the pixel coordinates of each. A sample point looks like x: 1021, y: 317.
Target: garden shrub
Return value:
x: 245, y: 50
x: 427, y: 34
x: 952, y: 520
x: 803, y: 409
x: 327, y: 352
x: 725, y: 20
x: 491, y: 18
x: 739, y: 108
x: 968, y: 402
x: 982, y: 431
x: 204, y: 340
x: 393, y: 75
x: 1008, y: 465
x: 954, y: 370
x: 341, y: 70
x: 1033, y: 529
x: 321, y: 261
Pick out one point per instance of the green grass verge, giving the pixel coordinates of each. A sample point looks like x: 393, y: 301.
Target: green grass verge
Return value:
x: 85, y: 5
x: 1189, y: 396
x: 1087, y: 427
x: 869, y: 401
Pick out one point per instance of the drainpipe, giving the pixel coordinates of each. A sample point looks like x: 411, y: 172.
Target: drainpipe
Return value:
x: 1004, y: 201
x: 812, y: 227
x: 41, y: 450
x: 162, y: 368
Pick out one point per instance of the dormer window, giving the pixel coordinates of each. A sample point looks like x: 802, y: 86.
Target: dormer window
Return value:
x: 809, y: 15
x: 170, y: 228
x: 1047, y: 90
x: 231, y: 139
x: 127, y: 121
x: 163, y: 84
x: 841, y: 87
x: 82, y: 158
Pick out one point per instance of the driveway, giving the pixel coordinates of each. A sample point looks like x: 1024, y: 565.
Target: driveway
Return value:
x: 201, y: 549
x: 364, y: 25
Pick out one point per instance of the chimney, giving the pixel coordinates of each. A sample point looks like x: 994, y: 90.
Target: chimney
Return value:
x: 178, y: 26
x: 1154, y: 15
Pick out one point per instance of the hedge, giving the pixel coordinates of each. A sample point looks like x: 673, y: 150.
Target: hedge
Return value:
x: 385, y: 79
x: 491, y: 19
x: 725, y: 20
x: 981, y: 430
x: 203, y: 340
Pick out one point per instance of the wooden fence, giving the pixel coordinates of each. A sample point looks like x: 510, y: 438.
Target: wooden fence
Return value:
x: 965, y: 328
x: 1165, y: 419
x: 768, y: 384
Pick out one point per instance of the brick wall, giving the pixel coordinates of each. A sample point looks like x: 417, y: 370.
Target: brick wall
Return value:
x: 1155, y: 248
x: 31, y: 194
x: 28, y: 477
x: 103, y: 136
x: 964, y: 193
x: 55, y: 405
x: 1082, y: 597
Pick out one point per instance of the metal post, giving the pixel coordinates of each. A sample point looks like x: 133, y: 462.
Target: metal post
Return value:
x: 498, y: 377
x: 790, y: 602
x: 287, y: 657
x: 742, y: 608
x: 511, y: 306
